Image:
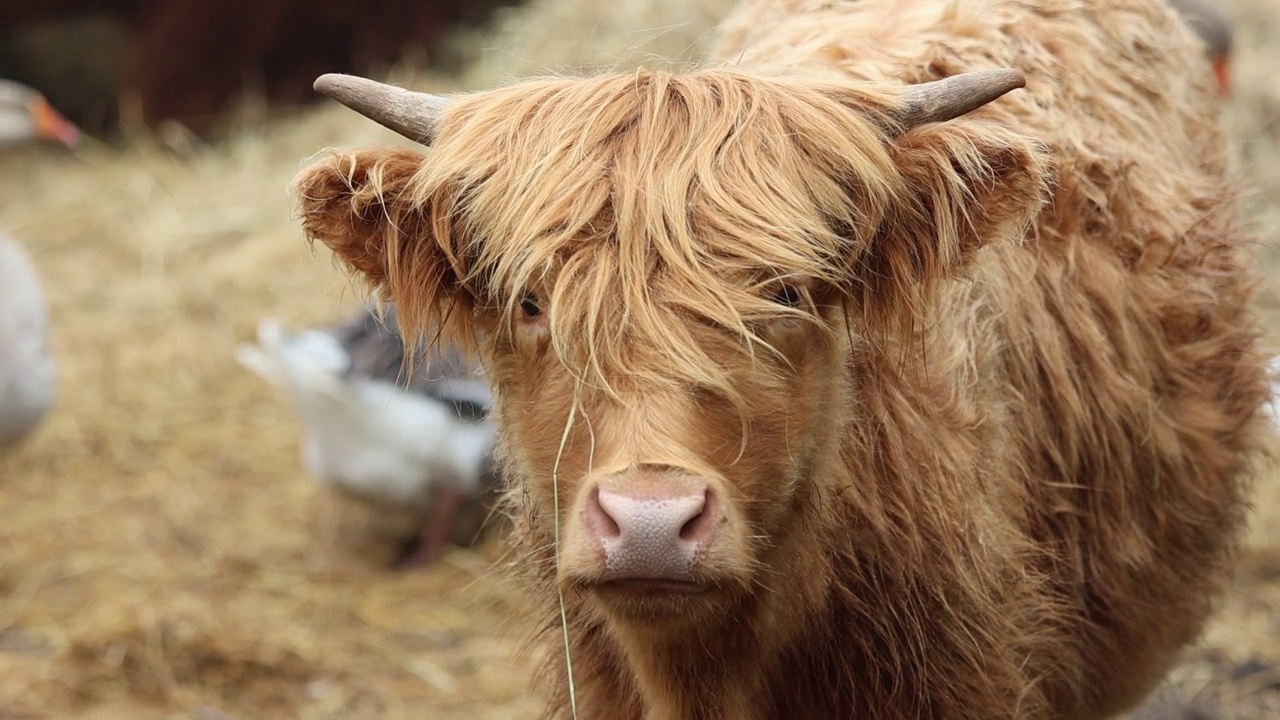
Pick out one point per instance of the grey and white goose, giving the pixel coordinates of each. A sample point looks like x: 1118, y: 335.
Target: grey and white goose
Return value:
x: 422, y: 443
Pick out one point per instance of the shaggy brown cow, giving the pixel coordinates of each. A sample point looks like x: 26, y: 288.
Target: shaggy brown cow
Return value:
x: 833, y: 381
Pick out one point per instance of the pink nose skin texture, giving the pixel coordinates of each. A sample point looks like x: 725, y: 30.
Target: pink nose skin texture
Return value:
x: 656, y: 536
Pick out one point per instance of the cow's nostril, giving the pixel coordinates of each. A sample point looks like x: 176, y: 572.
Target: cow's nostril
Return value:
x: 603, y: 524
x: 700, y: 526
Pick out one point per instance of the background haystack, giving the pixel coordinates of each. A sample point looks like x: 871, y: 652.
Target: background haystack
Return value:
x: 161, y: 552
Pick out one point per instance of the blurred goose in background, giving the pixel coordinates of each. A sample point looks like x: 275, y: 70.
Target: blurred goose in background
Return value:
x: 1214, y: 28
x: 25, y: 117
x: 424, y: 444
x: 27, y: 378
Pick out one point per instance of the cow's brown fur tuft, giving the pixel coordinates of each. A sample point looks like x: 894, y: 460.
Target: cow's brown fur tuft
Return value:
x: 992, y: 464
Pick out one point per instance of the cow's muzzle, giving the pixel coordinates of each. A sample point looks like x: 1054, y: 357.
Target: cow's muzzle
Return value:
x: 651, y: 530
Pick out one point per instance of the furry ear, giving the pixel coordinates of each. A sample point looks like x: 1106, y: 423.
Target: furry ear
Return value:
x: 365, y: 206
x: 965, y: 184
x: 354, y: 203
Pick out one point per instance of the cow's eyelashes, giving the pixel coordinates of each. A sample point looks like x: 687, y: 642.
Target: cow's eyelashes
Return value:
x: 788, y: 296
x: 529, y: 305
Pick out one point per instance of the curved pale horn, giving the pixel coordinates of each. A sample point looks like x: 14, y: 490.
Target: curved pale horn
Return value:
x: 942, y: 100
x: 414, y: 115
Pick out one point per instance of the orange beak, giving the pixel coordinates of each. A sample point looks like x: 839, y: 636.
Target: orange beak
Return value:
x: 1222, y: 71
x: 50, y: 125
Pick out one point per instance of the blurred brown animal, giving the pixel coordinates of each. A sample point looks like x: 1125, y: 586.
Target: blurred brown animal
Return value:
x: 190, y: 58
x: 895, y: 364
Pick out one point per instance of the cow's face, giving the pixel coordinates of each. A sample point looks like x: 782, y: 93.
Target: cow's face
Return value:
x: 676, y: 450
x: 664, y: 275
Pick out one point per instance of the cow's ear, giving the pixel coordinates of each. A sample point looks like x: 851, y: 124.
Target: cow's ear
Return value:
x: 367, y: 207
x: 355, y: 204
x: 965, y: 185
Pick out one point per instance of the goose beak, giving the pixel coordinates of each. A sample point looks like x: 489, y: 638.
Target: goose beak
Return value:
x: 1222, y: 71
x: 50, y: 125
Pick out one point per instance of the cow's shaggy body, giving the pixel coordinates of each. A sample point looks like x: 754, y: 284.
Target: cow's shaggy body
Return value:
x: 976, y: 400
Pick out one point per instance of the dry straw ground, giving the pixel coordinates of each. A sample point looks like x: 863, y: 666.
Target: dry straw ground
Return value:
x: 162, y: 555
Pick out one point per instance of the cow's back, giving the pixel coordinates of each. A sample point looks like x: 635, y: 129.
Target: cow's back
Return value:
x: 1119, y: 365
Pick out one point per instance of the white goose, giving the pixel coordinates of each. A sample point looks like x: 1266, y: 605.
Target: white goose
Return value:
x: 27, y: 373
x: 425, y: 444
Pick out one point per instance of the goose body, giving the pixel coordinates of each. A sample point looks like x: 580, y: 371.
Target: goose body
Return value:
x: 424, y: 444
x: 27, y: 377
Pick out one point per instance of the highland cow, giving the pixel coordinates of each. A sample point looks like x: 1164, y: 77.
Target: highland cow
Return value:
x: 896, y: 363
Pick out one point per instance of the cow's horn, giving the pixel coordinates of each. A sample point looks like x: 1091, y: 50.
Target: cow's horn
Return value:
x: 414, y: 115
x: 942, y: 100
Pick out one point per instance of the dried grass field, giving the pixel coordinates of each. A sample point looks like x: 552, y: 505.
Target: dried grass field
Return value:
x: 162, y: 553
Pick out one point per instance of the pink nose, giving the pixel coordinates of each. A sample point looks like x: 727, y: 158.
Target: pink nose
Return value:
x: 652, y: 530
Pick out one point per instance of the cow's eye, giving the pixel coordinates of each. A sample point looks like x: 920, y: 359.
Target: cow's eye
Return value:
x: 529, y: 304
x: 787, y: 296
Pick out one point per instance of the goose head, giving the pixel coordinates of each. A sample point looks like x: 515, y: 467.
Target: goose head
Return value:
x: 1213, y: 27
x: 26, y: 116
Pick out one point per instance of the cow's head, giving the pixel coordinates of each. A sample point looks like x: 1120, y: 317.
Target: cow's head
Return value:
x: 665, y: 275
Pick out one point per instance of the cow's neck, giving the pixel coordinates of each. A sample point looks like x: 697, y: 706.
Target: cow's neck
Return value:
x: 680, y: 682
